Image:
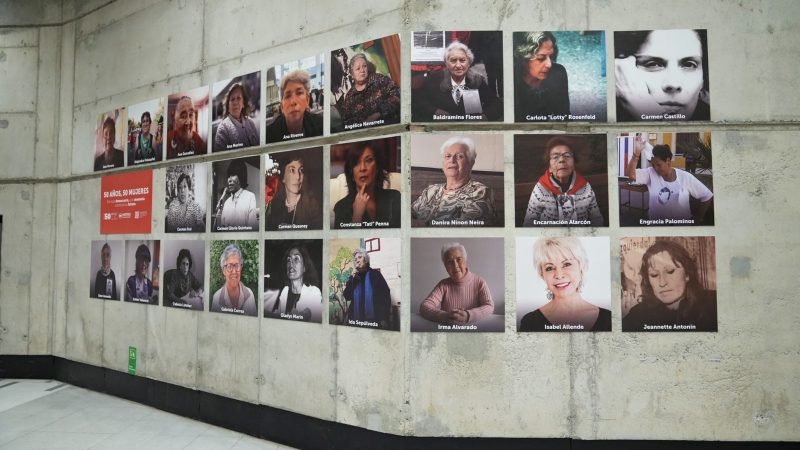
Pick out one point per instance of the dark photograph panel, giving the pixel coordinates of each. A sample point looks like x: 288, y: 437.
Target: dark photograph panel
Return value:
x: 109, y: 136
x: 187, y: 117
x: 235, y: 184
x: 560, y: 76
x: 295, y: 92
x: 364, y: 283
x: 292, y: 283
x: 142, y: 269
x: 236, y: 118
x: 661, y: 75
x: 560, y: 180
x: 457, y: 285
x: 563, y: 284
x: 293, y: 190
x: 186, y: 198
x: 183, y: 282
x: 106, y: 266
x: 234, y: 277
x: 366, y: 184
x: 668, y: 283
x: 457, y: 76
x: 365, y: 82
x: 146, y: 132
x: 665, y: 179
x: 457, y: 180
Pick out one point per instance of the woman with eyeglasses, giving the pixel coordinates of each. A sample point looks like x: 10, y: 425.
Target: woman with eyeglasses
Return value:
x: 562, y: 196
x: 233, y: 296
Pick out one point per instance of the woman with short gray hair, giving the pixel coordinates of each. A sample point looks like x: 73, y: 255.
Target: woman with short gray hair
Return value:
x: 233, y: 297
x: 374, y: 97
x: 295, y: 119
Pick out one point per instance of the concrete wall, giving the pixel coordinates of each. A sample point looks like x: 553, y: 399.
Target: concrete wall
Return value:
x: 742, y: 383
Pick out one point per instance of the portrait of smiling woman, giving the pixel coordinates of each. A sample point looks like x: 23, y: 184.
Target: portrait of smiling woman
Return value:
x: 661, y: 75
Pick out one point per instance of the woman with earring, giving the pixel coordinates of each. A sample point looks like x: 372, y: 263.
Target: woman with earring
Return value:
x: 562, y: 264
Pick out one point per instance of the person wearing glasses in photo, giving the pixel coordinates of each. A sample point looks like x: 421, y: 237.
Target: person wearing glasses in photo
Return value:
x: 233, y: 296
x: 562, y: 196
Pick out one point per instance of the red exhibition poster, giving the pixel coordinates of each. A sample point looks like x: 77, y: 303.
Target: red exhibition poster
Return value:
x: 126, y: 203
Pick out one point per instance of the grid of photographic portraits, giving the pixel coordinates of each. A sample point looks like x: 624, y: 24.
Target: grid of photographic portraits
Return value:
x: 348, y: 267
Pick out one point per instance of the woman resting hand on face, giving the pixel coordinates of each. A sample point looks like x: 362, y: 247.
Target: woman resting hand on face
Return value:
x: 367, y: 200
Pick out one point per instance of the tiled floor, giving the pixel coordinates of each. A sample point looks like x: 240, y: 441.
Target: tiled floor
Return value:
x: 46, y: 414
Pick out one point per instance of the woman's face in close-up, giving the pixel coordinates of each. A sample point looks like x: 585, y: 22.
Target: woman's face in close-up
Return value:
x: 293, y: 175
x: 671, y: 64
x: 540, y: 63
x: 236, y: 103
x: 141, y: 267
x: 562, y: 275
x: 146, y: 125
x: 294, y: 101
x: 294, y: 265
x: 365, y: 170
x: 232, y: 269
x: 360, y: 71
x: 667, y: 278
x: 184, y: 266
x: 562, y: 161
x: 455, y: 163
x: 455, y: 262
x: 457, y: 63
x: 183, y: 191
x: 105, y: 258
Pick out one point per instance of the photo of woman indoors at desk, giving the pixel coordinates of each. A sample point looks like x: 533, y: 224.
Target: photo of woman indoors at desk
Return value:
x: 661, y: 75
x: 459, y: 91
x: 563, y: 264
x: 677, y: 289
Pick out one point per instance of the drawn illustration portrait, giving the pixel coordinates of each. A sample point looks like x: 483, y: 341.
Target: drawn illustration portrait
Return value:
x: 668, y: 283
x: 142, y: 268
x: 457, y: 284
x: 457, y: 180
x: 186, y: 200
x: 235, y: 183
x: 236, y: 117
x: 560, y: 76
x: 661, y: 75
x: 365, y: 184
x: 108, y: 138
x: 457, y: 76
x: 292, y: 280
x: 293, y: 190
x: 666, y: 179
x: 560, y: 180
x: 234, y: 277
x: 365, y: 82
x: 105, y: 264
x: 187, y: 117
x: 563, y: 284
x: 146, y: 132
x: 364, y: 283
x: 183, y: 283
x: 295, y: 99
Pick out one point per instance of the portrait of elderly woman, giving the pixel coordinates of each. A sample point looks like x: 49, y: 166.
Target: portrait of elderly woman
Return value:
x: 293, y: 189
x: 461, y: 200
x: 184, y: 212
x: 237, y: 208
x: 139, y: 288
x: 678, y: 282
x: 107, y: 156
x: 296, y: 118
x: 187, y: 134
x: 234, y: 128
x: 661, y: 75
x: 292, y: 280
x: 457, y: 85
x: 182, y: 289
x: 368, y: 203
x: 370, y: 97
x: 234, y: 296
x: 675, y: 196
x: 570, y: 300
x: 143, y: 145
x: 561, y: 196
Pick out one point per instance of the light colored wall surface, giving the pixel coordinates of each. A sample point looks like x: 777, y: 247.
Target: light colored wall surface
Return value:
x: 742, y: 383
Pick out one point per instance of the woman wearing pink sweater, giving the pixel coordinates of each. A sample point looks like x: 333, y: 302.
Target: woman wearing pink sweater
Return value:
x: 463, y: 297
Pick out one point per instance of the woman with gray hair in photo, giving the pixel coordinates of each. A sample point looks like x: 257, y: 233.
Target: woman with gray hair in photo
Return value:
x: 458, y: 92
x: 295, y: 120
x: 372, y: 97
x: 233, y: 296
x: 459, y: 197
x: 541, y: 86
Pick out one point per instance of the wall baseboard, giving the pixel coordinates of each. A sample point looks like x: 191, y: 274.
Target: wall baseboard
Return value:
x: 298, y: 430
